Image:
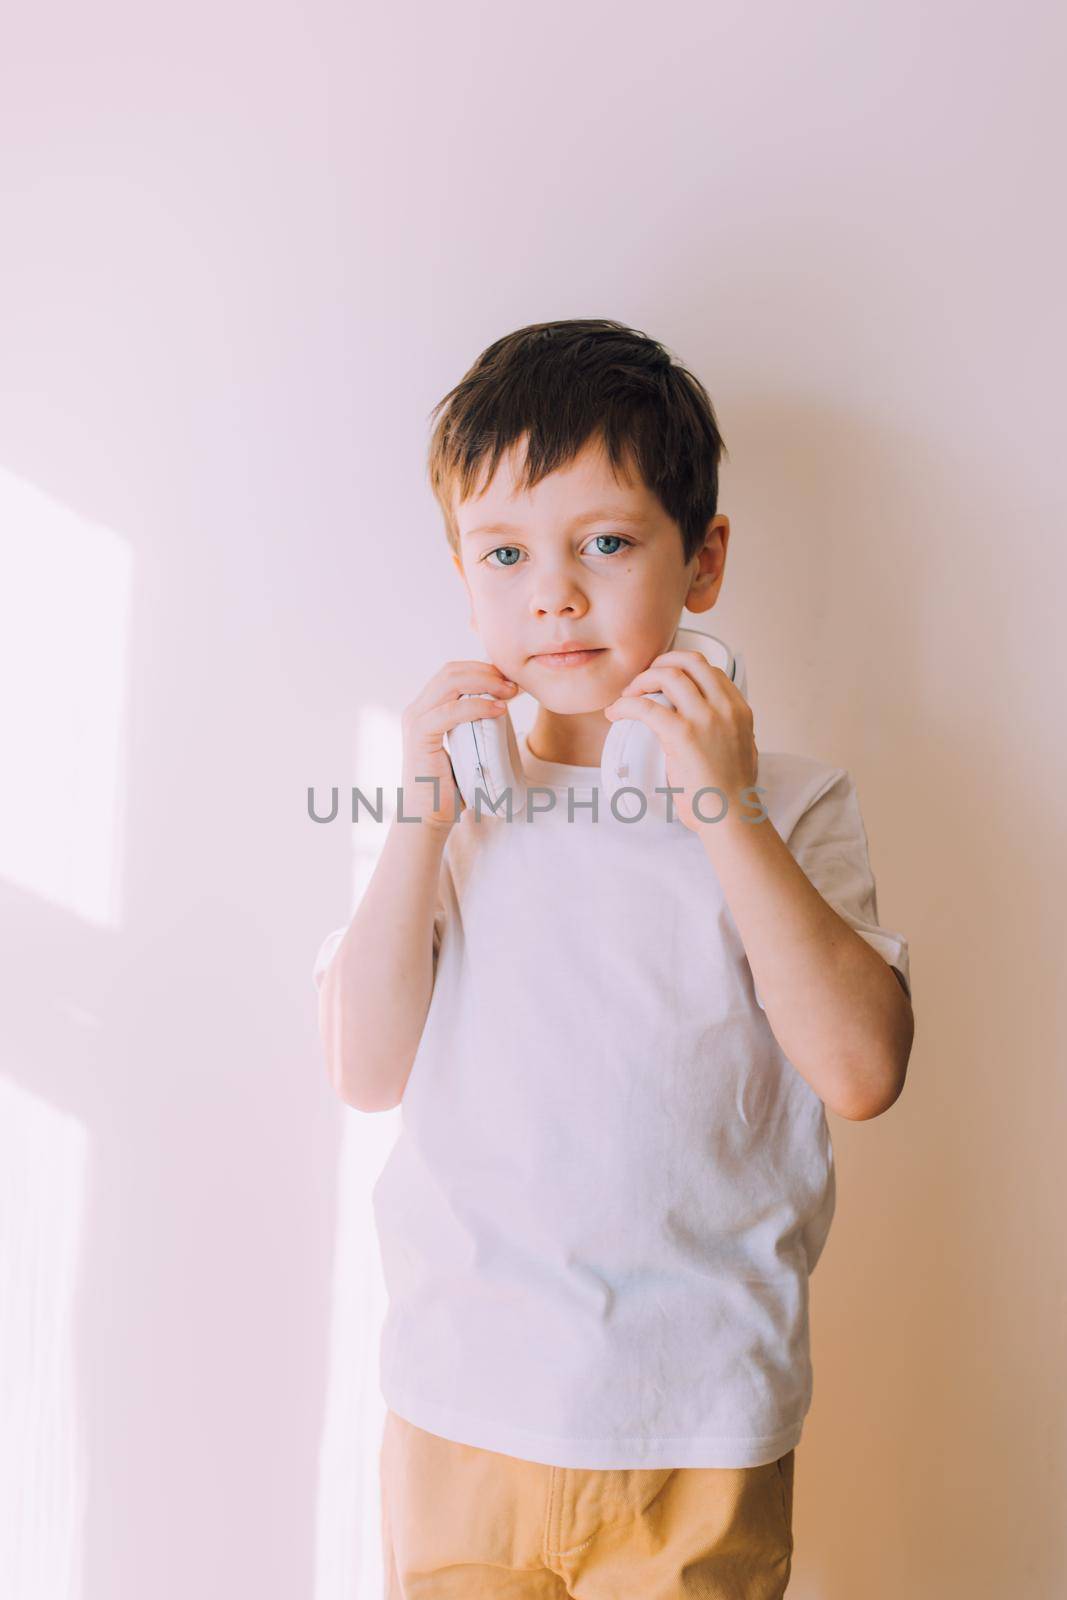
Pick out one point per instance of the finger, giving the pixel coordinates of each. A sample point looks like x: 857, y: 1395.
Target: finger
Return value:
x: 475, y: 678
x: 713, y: 681
x: 460, y: 678
x: 641, y: 709
x: 450, y: 714
x: 684, y: 694
x: 695, y: 663
x: 464, y: 669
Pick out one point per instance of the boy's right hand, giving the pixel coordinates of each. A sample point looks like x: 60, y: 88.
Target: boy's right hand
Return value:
x: 424, y: 722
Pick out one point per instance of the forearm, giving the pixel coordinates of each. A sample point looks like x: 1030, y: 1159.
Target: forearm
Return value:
x: 376, y: 991
x: 835, y: 1006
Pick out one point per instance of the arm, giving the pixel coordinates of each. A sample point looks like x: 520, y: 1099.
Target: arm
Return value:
x: 838, y: 1010
x: 376, y: 991
x: 834, y: 1004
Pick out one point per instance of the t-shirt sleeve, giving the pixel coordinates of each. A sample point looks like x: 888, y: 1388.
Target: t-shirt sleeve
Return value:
x: 327, y: 951
x: 829, y: 841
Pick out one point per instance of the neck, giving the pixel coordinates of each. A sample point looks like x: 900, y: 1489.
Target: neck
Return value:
x: 573, y: 741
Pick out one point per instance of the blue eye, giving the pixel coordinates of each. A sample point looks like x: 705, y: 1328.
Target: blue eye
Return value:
x: 612, y: 538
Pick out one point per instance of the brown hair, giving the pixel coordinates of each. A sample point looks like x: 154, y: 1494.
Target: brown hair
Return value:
x: 562, y: 383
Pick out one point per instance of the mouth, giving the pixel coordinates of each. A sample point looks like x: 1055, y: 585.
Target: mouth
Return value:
x: 568, y: 657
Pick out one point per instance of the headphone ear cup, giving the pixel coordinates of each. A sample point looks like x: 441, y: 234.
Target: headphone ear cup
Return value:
x: 633, y: 757
x: 507, y: 759
x: 484, y: 753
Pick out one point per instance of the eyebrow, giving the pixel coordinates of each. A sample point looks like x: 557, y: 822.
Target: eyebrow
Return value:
x: 600, y: 514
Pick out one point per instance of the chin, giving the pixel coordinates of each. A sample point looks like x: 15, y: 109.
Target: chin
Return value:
x: 571, y: 705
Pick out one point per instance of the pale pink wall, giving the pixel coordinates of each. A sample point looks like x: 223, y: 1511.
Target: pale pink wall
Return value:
x: 245, y: 250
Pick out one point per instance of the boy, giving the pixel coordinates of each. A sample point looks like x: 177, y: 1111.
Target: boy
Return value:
x: 613, y: 1042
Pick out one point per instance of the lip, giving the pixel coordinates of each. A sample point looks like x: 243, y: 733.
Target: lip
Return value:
x: 569, y: 657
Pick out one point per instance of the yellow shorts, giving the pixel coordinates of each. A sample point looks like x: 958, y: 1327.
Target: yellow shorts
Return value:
x: 465, y: 1523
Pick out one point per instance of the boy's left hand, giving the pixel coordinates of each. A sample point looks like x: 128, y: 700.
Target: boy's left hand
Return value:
x: 706, y: 733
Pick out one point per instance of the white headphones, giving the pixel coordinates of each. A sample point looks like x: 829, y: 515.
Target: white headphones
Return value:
x: 485, y: 752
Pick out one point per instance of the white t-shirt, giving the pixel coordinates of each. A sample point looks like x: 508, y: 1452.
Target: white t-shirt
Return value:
x: 610, y: 1186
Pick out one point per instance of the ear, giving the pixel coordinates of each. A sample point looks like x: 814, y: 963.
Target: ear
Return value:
x: 710, y: 566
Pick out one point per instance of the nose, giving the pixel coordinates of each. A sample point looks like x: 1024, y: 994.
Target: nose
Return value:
x: 558, y: 597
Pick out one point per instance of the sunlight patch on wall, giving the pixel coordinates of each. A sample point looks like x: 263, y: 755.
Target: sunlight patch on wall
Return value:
x: 64, y: 659
x: 42, y: 1473
x: 348, y: 1538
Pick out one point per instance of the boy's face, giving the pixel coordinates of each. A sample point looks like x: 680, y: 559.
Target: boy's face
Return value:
x: 579, y: 557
